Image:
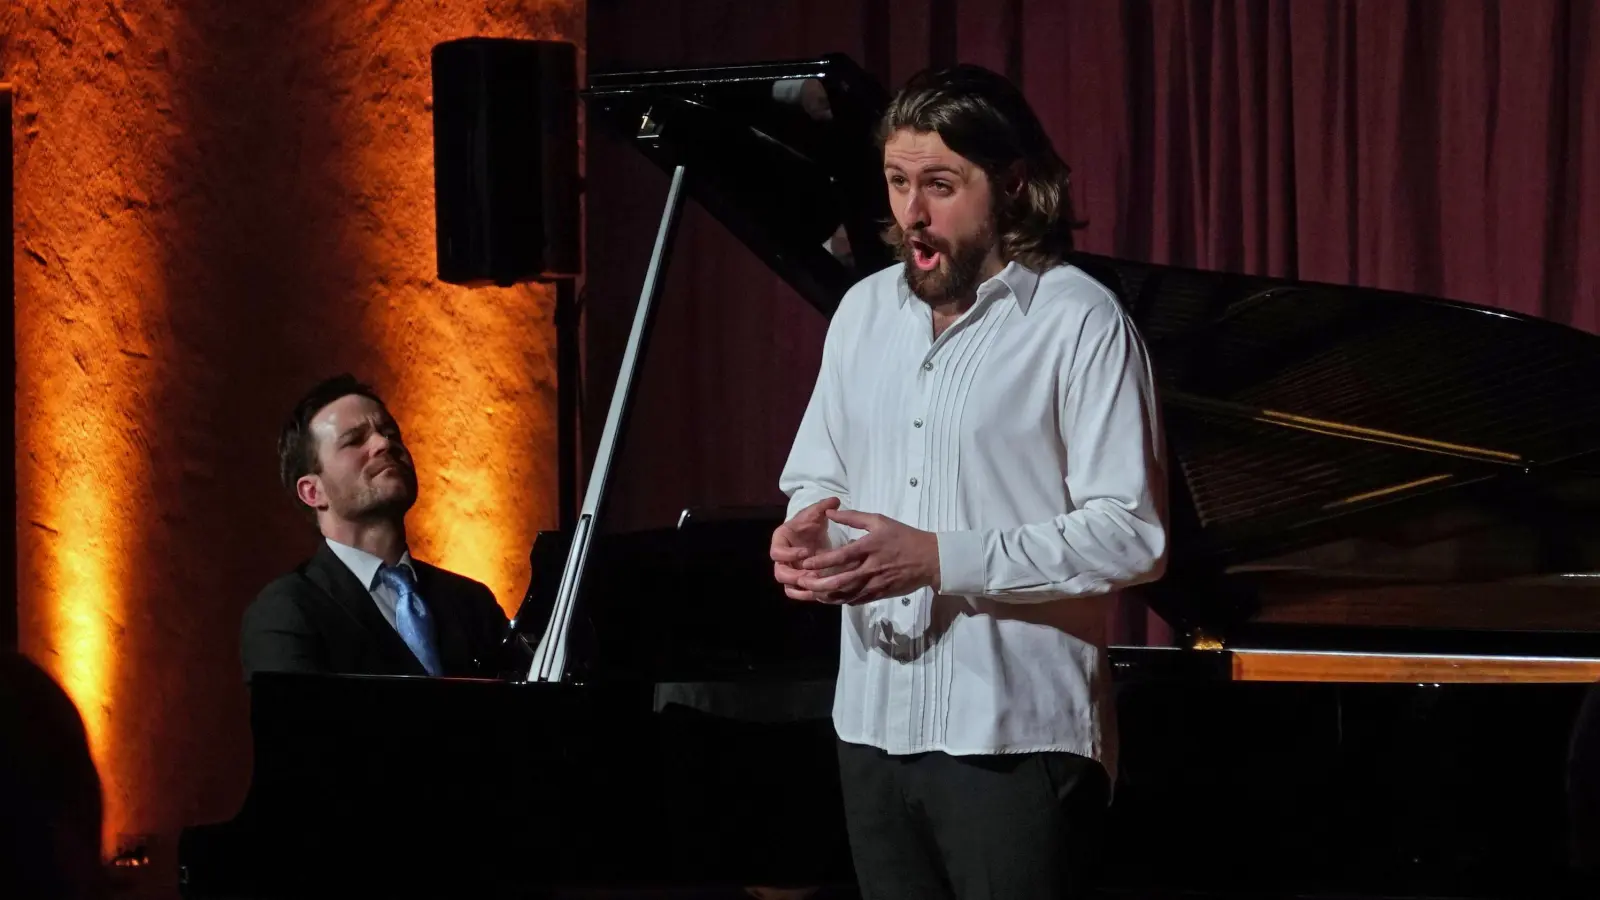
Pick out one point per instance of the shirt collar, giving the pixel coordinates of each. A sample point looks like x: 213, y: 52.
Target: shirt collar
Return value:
x: 1016, y: 277
x: 363, y: 564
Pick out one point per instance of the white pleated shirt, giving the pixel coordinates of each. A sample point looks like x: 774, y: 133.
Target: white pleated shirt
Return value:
x: 1027, y: 438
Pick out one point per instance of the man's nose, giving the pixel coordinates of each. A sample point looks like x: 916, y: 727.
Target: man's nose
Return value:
x: 916, y: 212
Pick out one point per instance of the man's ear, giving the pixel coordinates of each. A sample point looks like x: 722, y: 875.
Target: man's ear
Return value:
x: 309, y: 490
x: 1016, y: 179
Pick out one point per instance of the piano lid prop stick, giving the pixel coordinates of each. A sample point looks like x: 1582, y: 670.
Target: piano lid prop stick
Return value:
x: 550, y: 659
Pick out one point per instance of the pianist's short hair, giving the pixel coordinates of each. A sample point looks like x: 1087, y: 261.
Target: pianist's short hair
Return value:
x: 984, y: 117
x: 297, y: 449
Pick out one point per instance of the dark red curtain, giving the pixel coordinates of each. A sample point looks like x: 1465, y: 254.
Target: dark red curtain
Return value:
x: 1448, y: 148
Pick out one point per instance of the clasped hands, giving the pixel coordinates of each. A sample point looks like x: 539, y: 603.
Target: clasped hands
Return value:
x: 891, y: 560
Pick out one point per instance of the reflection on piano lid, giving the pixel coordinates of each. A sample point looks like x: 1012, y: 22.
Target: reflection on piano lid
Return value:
x: 1445, y: 452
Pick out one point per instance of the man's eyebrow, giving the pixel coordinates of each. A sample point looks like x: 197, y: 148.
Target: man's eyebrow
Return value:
x: 936, y: 167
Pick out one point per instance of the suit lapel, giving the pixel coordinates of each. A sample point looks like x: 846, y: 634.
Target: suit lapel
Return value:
x: 330, y: 574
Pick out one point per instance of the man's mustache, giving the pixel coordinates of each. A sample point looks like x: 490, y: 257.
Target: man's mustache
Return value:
x: 384, y: 462
x: 922, y: 237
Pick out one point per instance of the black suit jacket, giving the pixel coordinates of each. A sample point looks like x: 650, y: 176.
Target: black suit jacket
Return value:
x: 321, y: 618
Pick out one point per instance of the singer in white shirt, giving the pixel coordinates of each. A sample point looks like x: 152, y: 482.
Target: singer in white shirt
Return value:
x: 979, y: 471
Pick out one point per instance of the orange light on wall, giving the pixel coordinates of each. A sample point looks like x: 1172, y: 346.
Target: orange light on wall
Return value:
x: 80, y: 559
x: 93, y: 181
x: 80, y: 487
x: 89, y: 285
x: 476, y: 421
x: 217, y: 205
x: 472, y: 371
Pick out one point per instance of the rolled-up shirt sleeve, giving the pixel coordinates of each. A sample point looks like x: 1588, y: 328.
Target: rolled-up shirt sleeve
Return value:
x: 1115, y: 535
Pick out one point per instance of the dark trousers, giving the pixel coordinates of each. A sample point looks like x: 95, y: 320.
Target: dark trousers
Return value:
x: 929, y: 826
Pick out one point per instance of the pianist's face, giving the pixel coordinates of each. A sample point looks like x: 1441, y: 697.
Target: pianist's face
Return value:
x: 366, y: 470
x: 945, y: 207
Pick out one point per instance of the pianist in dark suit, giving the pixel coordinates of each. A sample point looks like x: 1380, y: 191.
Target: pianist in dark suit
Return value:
x: 978, y: 472
x: 361, y: 604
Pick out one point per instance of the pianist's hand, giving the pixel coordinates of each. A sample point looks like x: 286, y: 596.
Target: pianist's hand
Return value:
x: 804, y: 535
x: 892, y: 560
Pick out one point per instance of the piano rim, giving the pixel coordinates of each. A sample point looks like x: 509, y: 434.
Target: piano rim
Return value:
x: 1262, y: 664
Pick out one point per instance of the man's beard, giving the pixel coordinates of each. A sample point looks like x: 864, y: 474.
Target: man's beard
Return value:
x: 956, y: 276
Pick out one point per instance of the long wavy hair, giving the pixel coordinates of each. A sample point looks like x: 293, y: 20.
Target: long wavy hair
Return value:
x: 982, y: 116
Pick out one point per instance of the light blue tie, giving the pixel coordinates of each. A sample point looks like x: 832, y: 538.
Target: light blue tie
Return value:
x: 411, y: 617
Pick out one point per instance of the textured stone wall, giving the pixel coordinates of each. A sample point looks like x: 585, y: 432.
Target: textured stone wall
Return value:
x: 218, y: 203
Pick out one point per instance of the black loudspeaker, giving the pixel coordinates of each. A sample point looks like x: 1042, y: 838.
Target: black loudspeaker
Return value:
x: 505, y: 160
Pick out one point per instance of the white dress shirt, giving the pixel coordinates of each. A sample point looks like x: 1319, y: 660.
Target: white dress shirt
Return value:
x: 365, y: 567
x: 1027, y: 439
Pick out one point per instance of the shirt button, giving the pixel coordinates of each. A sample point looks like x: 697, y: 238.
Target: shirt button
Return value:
x: 913, y: 481
x: 905, y: 601
x: 916, y: 423
x: 927, y: 366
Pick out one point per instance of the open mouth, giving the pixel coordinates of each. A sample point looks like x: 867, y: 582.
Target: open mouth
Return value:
x: 923, y: 255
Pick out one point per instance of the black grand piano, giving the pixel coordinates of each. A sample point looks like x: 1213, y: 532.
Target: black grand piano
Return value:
x: 1382, y: 582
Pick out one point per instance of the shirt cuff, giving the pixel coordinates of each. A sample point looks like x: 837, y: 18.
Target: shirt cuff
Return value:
x: 961, y: 563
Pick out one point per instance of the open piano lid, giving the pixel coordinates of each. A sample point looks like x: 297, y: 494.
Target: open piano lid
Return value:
x: 1340, y: 457
x: 780, y: 152
x: 1346, y: 457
